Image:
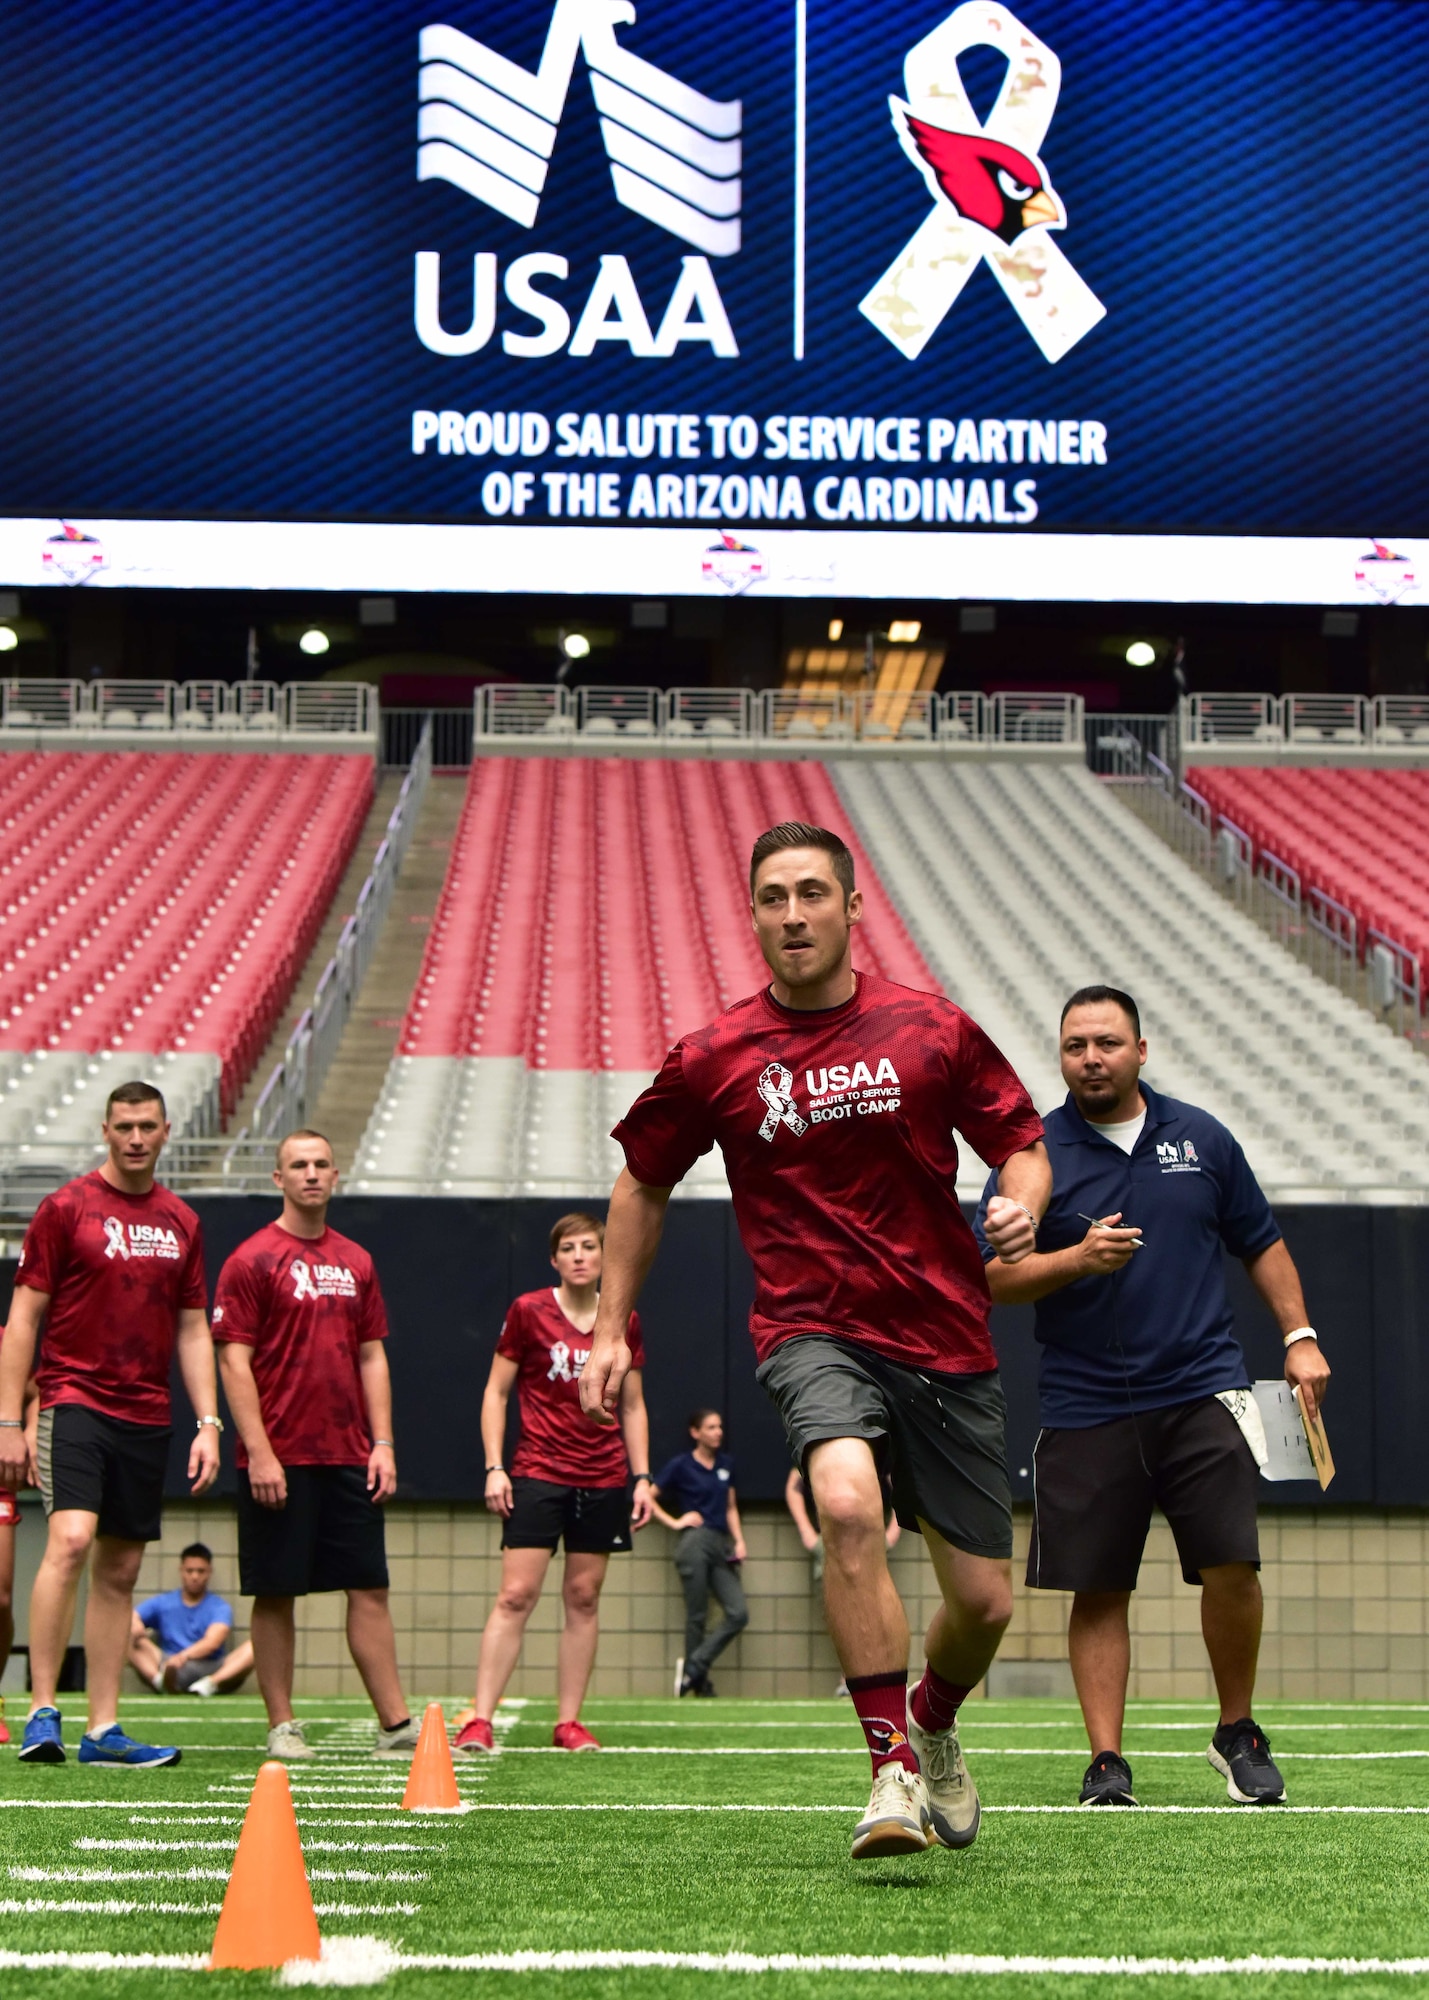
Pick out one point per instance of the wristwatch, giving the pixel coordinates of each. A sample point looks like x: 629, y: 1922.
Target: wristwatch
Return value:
x: 216, y: 1422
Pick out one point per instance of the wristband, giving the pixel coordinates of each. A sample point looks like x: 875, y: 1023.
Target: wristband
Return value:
x: 216, y: 1422
x: 1302, y: 1333
x: 11, y: 1424
x: 636, y: 1477
x: 494, y: 1468
x: 1025, y: 1210
x: 387, y: 1441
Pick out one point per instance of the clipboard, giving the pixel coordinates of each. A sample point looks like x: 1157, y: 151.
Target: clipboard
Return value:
x: 1294, y: 1449
x: 1317, y: 1441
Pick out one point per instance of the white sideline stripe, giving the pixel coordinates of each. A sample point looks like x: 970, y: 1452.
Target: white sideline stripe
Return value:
x: 195, y: 1874
x: 955, y: 1965
x: 91, y: 1843
x: 1253, y: 1816
x: 113, y: 1906
x: 1024, y: 1728
x: 972, y: 1749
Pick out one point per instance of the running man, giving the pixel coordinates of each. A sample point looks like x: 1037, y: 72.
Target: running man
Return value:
x: 112, y: 1268
x: 698, y: 1485
x: 179, y: 1642
x: 569, y: 1479
x: 833, y: 1096
x: 300, y: 1323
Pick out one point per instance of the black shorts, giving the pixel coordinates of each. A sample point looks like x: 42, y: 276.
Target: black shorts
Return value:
x: 106, y: 1467
x: 329, y: 1536
x: 1093, y: 1491
x: 939, y: 1439
x: 595, y: 1520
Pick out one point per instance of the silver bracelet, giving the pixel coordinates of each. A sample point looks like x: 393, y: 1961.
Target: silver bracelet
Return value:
x: 387, y: 1441
x: 11, y: 1424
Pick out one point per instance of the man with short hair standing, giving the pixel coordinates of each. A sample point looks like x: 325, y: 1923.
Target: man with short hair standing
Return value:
x: 112, y: 1268
x: 569, y: 1482
x: 696, y: 1500
x: 300, y: 1323
x: 833, y: 1096
x: 1144, y: 1387
x: 180, y: 1637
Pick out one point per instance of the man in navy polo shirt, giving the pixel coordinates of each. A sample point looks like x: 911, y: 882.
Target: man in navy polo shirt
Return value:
x: 1139, y: 1367
x: 694, y: 1497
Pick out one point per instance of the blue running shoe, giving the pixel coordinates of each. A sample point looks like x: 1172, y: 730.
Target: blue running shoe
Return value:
x: 44, y: 1739
x: 114, y: 1747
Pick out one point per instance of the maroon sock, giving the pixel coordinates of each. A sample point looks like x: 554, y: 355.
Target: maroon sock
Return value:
x: 881, y: 1701
x: 935, y: 1702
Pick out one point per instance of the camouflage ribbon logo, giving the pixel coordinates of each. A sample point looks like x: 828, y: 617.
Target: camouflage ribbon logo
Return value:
x: 993, y: 202
x: 776, y: 1087
x: 116, y: 1246
x: 303, y: 1286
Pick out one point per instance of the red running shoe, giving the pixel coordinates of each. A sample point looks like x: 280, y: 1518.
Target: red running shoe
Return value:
x: 475, y: 1736
x: 573, y: 1736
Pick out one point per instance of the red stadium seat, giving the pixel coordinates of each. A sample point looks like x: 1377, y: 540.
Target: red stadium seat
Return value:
x: 166, y: 902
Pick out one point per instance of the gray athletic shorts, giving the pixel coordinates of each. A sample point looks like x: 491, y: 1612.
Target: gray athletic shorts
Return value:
x: 940, y: 1439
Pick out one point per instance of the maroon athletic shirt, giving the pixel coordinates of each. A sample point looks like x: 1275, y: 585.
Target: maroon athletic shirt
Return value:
x: 558, y: 1442
x: 304, y: 1304
x: 837, y: 1134
x: 119, y: 1268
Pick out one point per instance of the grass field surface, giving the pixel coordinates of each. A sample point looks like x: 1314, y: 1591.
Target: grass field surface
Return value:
x: 705, y: 1853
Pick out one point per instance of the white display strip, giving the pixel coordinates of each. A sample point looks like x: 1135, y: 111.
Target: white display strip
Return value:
x: 694, y: 561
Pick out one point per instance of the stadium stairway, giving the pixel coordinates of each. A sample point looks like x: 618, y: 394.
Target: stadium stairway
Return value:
x: 359, y: 867
x: 364, y: 1054
x: 593, y: 912
x: 1020, y: 884
x: 158, y: 906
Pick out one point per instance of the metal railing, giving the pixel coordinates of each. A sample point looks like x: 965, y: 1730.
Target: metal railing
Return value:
x: 1325, y: 718
x: 802, y: 716
x: 1378, y: 972
x: 1233, y: 718
x: 290, y: 1095
x: 247, y: 708
x: 1401, y: 719
x: 452, y: 732
x: 1119, y: 745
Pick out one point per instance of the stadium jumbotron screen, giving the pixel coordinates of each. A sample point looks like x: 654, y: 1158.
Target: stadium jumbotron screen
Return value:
x: 873, y: 297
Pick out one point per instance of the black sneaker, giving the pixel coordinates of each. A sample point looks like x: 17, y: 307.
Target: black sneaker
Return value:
x: 696, y: 1684
x: 1240, y: 1752
x: 1107, y: 1782
x: 703, y: 1690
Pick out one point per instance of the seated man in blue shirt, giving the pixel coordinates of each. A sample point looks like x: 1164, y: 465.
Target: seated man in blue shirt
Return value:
x: 179, y: 1640
x: 1140, y: 1365
x: 694, y: 1497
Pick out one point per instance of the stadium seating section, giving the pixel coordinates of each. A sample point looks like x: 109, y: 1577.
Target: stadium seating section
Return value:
x: 592, y: 913
x: 1361, y: 836
x: 1021, y: 884
x: 158, y: 906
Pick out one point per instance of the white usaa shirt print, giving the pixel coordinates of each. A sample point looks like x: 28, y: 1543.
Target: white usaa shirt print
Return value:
x: 992, y: 200
x: 489, y: 127
x: 321, y: 1281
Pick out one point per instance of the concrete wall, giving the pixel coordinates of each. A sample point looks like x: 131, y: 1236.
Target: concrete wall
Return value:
x: 1345, y: 1610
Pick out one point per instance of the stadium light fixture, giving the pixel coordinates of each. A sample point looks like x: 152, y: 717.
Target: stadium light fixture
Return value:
x: 9, y: 638
x: 1141, y: 653
x: 314, y: 641
x: 836, y: 629
x: 575, y: 645
x: 904, y: 631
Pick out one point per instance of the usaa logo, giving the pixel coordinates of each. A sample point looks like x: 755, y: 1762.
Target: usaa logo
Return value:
x: 487, y: 126
x: 1177, y: 1156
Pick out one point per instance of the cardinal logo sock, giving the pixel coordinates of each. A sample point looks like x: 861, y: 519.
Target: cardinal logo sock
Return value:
x: 935, y: 1702
x: 881, y: 1703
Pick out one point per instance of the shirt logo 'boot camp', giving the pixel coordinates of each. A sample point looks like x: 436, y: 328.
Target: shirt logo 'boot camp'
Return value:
x: 776, y: 1088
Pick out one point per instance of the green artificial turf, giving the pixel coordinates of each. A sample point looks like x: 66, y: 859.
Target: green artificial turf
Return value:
x: 497, y: 1879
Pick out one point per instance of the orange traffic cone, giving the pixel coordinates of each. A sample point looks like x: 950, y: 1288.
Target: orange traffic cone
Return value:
x: 431, y: 1783
x: 267, y: 1916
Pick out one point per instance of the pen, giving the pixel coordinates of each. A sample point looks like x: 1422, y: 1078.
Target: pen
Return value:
x: 1097, y: 1223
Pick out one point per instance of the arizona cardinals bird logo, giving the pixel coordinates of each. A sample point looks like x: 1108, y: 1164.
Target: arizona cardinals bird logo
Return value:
x: 986, y: 181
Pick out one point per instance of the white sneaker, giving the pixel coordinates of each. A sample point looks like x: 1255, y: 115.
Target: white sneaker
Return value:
x: 400, y: 1742
x: 203, y: 1687
x: 952, y: 1795
x: 679, y: 1676
x: 897, y: 1820
x: 286, y: 1740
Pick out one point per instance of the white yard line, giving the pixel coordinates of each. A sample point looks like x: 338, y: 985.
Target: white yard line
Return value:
x: 91, y: 1843
x: 1253, y: 1816
x: 33, y: 1874
x: 972, y: 1749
